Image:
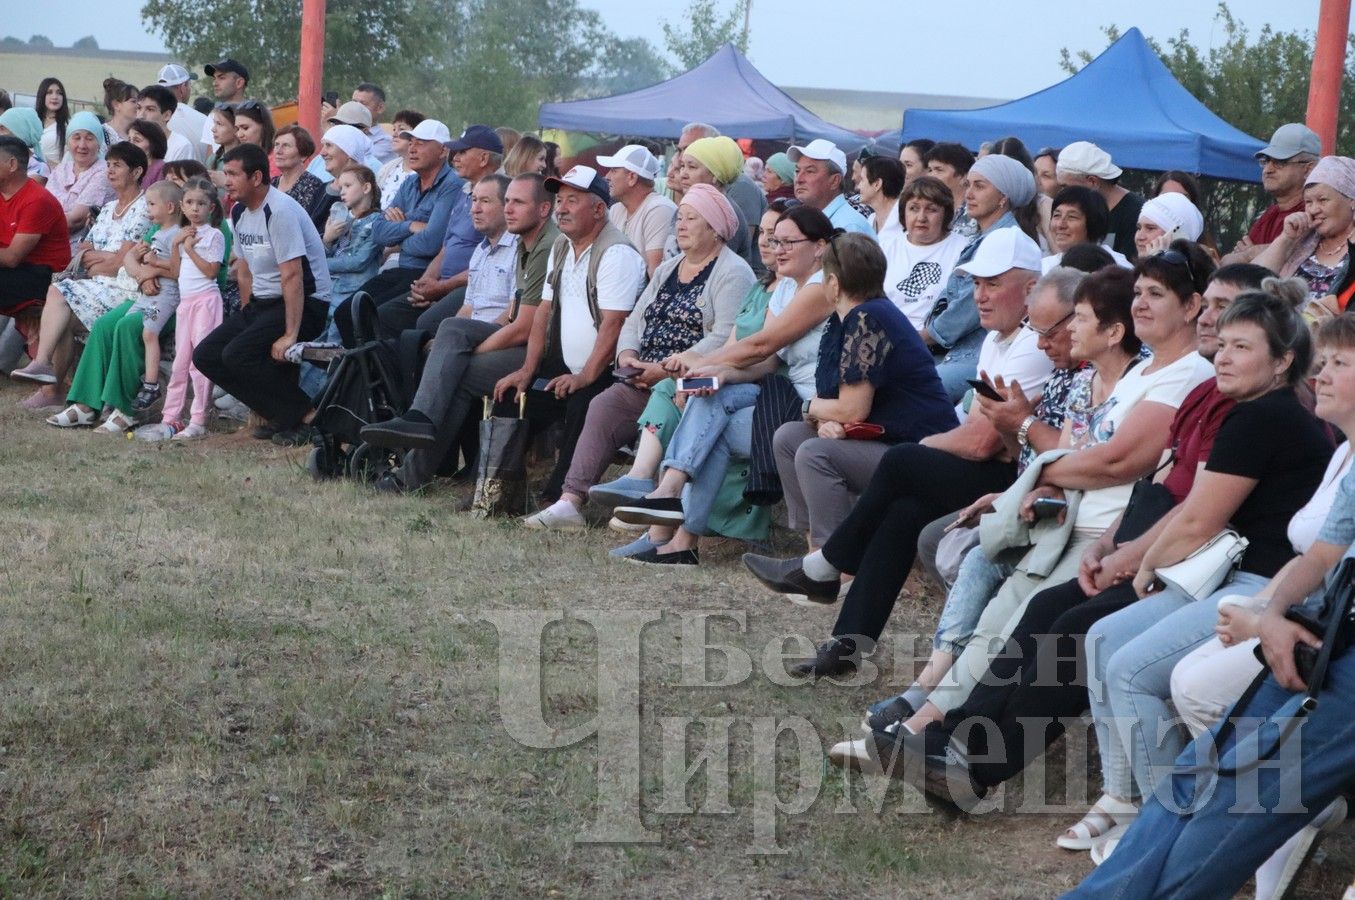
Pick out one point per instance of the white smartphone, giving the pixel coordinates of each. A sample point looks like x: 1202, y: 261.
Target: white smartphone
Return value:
x: 705, y: 383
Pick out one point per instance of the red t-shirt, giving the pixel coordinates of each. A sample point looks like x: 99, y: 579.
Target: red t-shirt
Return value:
x: 33, y: 210
x: 1270, y: 223
x: 1193, y: 430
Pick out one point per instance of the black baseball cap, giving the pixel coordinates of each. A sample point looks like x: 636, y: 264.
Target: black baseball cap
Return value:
x: 227, y: 65
x: 479, y: 137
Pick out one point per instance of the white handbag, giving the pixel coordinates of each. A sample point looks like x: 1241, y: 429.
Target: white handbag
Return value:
x: 1201, y: 573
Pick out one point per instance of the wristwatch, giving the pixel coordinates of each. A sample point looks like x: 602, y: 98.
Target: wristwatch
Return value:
x: 804, y: 407
x: 1023, y: 433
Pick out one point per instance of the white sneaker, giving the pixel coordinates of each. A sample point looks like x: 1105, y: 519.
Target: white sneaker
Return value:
x: 853, y: 755
x: 191, y: 433
x: 553, y: 519
x: 620, y: 527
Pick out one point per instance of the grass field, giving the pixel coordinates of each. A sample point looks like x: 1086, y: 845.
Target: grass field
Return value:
x: 218, y: 678
x: 83, y: 75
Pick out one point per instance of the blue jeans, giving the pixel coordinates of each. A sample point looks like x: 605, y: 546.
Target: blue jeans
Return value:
x: 976, y: 583
x: 713, y: 429
x: 961, y: 363
x: 1132, y: 654
x: 1237, y: 822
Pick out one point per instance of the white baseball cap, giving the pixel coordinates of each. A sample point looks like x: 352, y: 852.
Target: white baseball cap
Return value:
x: 581, y: 178
x: 820, y: 149
x: 1085, y: 158
x: 633, y: 158
x: 174, y: 73
x: 429, y: 130
x: 1001, y: 251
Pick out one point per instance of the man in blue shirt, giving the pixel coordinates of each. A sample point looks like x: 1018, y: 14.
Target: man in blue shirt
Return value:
x: 437, y: 294
x: 819, y: 170
x: 415, y: 222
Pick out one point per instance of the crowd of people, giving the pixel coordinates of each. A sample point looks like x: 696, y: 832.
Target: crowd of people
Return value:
x: 1048, y: 390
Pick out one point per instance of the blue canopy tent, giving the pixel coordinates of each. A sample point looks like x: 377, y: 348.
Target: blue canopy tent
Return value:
x: 1125, y: 101
x: 725, y: 91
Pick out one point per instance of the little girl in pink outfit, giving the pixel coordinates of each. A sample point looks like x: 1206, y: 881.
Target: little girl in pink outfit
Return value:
x: 198, y: 251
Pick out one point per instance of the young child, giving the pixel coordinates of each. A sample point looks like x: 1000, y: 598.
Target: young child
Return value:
x: 198, y: 251
x: 353, y: 256
x: 154, y: 273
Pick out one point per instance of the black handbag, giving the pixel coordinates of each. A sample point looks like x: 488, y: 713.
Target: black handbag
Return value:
x: 501, y: 467
x: 1148, y: 502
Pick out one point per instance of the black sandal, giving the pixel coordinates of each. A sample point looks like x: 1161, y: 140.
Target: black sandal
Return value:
x: 146, y: 397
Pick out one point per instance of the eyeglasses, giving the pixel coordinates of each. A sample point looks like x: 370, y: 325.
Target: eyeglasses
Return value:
x: 777, y: 243
x: 1272, y: 161
x: 1177, y: 258
x: 1046, y: 332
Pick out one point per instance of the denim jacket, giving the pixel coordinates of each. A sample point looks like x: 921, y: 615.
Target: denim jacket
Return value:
x: 354, y: 257
x: 955, y: 317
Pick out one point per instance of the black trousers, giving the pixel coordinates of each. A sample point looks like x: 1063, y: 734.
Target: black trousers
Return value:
x: 1041, y: 680
x: 544, y: 410
x: 238, y: 356
x: 878, y: 540
x: 23, y: 283
x: 384, y: 287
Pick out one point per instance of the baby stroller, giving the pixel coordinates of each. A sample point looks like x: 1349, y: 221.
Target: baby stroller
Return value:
x: 373, y: 382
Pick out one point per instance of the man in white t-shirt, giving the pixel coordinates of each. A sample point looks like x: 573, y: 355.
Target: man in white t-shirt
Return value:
x: 593, y: 278
x: 645, y: 217
x: 185, y: 121
x: 157, y: 103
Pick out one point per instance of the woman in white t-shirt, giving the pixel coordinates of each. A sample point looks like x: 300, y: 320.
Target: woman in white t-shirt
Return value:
x: 922, y: 254
x: 881, y: 182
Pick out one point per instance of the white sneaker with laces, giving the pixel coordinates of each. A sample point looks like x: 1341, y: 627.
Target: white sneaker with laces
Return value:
x: 553, y: 518
x: 191, y: 433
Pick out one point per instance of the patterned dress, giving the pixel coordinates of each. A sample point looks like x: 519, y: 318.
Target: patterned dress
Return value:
x: 89, y: 298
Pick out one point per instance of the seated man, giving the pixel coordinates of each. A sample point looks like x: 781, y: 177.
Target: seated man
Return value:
x: 1285, y: 163
x: 34, y: 241
x: 280, y: 265
x: 819, y: 171
x: 592, y: 281
x: 438, y: 292
x: 414, y: 223
x: 486, y: 339
x: 643, y: 215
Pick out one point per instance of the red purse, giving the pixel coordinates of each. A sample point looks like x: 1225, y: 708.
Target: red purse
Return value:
x: 863, y: 431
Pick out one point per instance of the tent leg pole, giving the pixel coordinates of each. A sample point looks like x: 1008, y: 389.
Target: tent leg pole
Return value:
x: 1329, y: 64
x: 311, y: 80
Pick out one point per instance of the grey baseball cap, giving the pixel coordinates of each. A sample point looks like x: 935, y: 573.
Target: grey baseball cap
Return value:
x: 1289, y: 141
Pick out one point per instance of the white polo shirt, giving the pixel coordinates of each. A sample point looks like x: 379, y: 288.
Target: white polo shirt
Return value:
x: 621, y: 277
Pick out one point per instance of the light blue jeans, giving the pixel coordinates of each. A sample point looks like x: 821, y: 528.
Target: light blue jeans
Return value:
x: 1131, y: 654
x: 712, y: 431
x: 977, y: 582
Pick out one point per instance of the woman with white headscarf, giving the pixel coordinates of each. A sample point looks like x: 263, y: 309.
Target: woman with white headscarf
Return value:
x: 340, y: 147
x: 1165, y: 218
x: 1315, y: 243
x: 80, y: 182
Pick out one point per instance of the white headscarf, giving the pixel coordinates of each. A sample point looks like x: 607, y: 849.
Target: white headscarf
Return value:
x: 1170, y: 210
x: 351, y: 141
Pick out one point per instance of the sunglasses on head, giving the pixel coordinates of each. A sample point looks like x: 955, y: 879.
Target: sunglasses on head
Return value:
x: 1177, y: 258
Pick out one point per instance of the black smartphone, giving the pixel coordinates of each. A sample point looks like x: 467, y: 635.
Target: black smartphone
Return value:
x: 1048, y: 507
x: 540, y: 384
x: 626, y: 373
x: 982, y: 387
x: 330, y: 97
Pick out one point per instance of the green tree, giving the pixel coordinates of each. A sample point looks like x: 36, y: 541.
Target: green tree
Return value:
x: 10, y: 40
x: 40, y: 40
x: 88, y: 42
x: 705, y: 32
x: 1253, y: 82
x: 365, y: 40
x: 628, y: 64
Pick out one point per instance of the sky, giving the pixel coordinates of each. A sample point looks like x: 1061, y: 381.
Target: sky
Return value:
x: 984, y: 48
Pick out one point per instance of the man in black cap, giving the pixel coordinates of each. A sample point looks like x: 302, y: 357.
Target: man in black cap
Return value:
x: 439, y: 292
x: 229, y: 80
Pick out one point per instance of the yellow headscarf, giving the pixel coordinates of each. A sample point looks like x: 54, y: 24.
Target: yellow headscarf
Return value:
x: 720, y: 155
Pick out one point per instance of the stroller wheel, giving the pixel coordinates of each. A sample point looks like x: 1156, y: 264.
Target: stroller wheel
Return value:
x: 324, y: 463
x: 367, y: 463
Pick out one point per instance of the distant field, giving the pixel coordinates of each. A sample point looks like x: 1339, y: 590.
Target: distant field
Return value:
x: 82, y: 75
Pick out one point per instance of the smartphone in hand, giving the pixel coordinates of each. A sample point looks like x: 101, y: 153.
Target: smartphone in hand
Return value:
x: 704, y: 383
x: 985, y: 389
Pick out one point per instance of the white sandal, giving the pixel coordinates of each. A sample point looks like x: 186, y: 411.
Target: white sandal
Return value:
x: 72, y: 417
x: 1102, y: 849
x: 116, y: 423
x: 1106, y: 813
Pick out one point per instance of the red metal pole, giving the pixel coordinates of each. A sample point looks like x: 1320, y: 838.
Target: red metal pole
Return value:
x: 1329, y: 67
x: 311, y: 83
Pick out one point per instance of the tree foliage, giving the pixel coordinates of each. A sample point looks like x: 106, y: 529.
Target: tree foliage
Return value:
x: 40, y: 40
x: 1255, y: 83
x: 88, y: 42
x: 705, y: 32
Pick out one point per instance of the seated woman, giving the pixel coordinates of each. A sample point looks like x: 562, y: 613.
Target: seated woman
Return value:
x: 689, y: 304
x: 923, y: 253
x: 872, y: 368
x: 732, y: 516
x: 80, y: 301
x: 24, y: 124
x: 51, y: 106
x: 912, y: 155
x: 254, y: 125
x: 1165, y: 219
x: 778, y: 178
x: 342, y: 146
x: 880, y: 183
x: 870, y: 371
x: 1079, y: 216
x: 120, y: 101
x: 80, y: 182
x: 527, y: 155
x: 1314, y: 244
x: 293, y: 147
x: 150, y: 137
x: 718, y: 161
x: 998, y: 186
x: 223, y: 135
